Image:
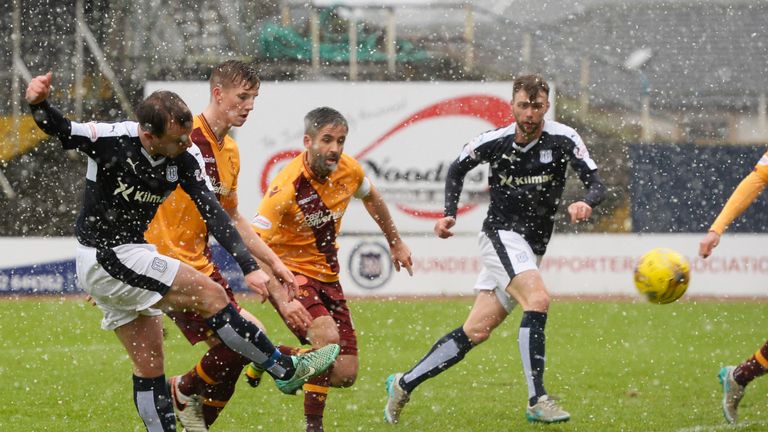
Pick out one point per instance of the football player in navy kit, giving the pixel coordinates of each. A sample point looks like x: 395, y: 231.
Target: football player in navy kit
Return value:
x: 132, y: 167
x: 528, y: 161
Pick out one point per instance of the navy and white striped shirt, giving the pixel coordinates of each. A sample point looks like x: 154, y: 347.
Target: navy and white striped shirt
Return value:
x: 526, y: 182
x: 125, y: 185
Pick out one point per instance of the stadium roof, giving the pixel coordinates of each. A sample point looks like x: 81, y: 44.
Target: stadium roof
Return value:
x: 704, y: 53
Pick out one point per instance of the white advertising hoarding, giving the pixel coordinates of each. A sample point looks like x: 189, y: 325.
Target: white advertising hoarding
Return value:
x: 575, y: 265
x: 404, y: 134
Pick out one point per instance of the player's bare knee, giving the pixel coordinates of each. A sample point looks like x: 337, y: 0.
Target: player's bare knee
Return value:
x: 477, y: 334
x: 347, y: 380
x: 343, y: 375
x: 322, y: 333
x: 212, y: 299
x: 148, y: 364
x: 324, y: 337
x: 539, y: 301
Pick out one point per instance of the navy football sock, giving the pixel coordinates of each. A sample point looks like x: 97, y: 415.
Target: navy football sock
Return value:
x: 246, y: 339
x: 446, y: 352
x: 531, y: 343
x: 153, y: 402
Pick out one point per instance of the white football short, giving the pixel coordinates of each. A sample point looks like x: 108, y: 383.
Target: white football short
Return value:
x: 125, y: 281
x: 503, y: 254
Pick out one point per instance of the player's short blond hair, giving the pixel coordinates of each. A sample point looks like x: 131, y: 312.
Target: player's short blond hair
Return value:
x: 233, y: 73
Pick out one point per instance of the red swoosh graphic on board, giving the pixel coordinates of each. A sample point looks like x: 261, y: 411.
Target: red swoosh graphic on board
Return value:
x: 492, y: 109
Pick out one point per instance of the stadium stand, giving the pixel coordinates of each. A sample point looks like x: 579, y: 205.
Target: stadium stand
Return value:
x: 705, y: 54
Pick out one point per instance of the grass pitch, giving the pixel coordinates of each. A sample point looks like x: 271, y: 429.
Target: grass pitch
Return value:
x: 617, y: 366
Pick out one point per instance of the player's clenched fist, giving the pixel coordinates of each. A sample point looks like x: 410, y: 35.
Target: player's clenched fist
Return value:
x: 579, y: 211
x: 39, y: 89
x: 444, y: 225
x: 710, y: 242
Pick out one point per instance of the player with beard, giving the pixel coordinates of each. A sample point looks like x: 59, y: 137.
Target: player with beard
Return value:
x: 300, y: 218
x: 528, y: 161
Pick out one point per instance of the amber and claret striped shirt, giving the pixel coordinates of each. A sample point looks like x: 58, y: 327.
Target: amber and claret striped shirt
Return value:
x: 300, y: 216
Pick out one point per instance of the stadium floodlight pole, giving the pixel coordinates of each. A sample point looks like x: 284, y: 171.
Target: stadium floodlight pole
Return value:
x: 15, y: 84
x: 79, y: 65
x: 584, y: 88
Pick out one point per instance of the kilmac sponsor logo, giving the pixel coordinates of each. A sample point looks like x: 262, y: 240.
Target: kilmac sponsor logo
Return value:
x: 130, y: 193
x: 524, y: 180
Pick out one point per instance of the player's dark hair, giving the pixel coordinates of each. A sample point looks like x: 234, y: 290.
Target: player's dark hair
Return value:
x: 532, y: 84
x: 160, y: 109
x: 235, y: 72
x: 318, y: 118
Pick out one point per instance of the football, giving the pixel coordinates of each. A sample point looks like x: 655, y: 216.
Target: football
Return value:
x: 662, y: 275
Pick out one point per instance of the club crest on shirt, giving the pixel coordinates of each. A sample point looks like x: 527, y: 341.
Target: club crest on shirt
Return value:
x: 521, y: 257
x: 172, y: 173
x: 159, y: 265
x: 545, y: 156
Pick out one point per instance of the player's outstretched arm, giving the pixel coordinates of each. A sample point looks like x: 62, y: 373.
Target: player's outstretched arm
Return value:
x: 260, y: 250
x: 257, y: 282
x: 49, y: 119
x: 742, y: 197
x: 596, y: 190
x: 454, y: 184
x: 218, y: 222
x: 377, y: 208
